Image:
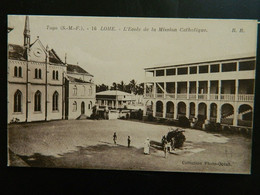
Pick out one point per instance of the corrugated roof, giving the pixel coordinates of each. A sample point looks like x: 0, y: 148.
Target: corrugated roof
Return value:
x: 113, y: 92
x: 77, y: 69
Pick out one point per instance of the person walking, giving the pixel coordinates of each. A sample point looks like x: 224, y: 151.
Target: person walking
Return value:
x: 147, y: 146
x: 115, y: 138
x: 165, y: 147
x: 128, y: 141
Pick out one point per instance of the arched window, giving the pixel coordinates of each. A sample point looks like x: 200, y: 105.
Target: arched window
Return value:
x: 40, y: 73
x: 36, y: 73
x: 15, y: 71
x: 53, y: 74
x: 37, y: 101
x: 57, y: 75
x: 20, y: 71
x: 18, y: 101
x: 74, y: 106
x: 55, y: 102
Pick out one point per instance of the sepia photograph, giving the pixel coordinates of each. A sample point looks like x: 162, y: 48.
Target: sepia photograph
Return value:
x: 125, y: 93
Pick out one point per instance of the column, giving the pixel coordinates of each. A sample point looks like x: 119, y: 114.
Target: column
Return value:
x: 218, y: 113
x: 176, y: 86
x: 188, y: 110
x: 208, y: 111
x: 188, y: 90
x: 164, y: 110
x: 235, y: 115
x: 219, y: 89
x: 154, y: 89
x: 208, y: 85
x: 175, y: 111
x: 236, y: 89
x: 197, y: 92
x: 154, y: 108
x: 164, y: 87
x: 196, y: 110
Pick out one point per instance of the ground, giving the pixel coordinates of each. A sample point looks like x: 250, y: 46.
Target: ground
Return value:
x: 89, y: 144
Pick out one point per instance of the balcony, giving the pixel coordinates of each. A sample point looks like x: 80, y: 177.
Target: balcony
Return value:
x: 223, y: 97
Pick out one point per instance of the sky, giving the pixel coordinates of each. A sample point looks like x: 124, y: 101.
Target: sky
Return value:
x: 122, y: 54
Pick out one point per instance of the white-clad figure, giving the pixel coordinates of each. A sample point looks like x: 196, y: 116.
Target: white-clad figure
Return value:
x: 147, y: 146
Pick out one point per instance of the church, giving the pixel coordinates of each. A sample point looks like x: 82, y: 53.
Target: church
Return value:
x: 38, y: 83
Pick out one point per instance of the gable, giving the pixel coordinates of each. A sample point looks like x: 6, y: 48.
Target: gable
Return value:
x: 37, y: 52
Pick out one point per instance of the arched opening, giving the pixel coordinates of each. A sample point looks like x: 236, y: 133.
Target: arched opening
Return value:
x: 55, y: 99
x: 37, y: 101
x: 169, y: 110
x: 149, y: 107
x: 202, y: 112
x: 213, y: 112
x: 15, y: 71
x: 159, y: 109
x: 192, y: 110
x: 20, y: 71
x: 227, y: 114
x: 74, y: 106
x: 82, y: 107
x: 245, y: 115
x: 18, y: 101
x: 181, y: 109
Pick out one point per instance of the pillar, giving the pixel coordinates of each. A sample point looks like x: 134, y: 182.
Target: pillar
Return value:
x: 154, y: 89
x: 218, y: 113
x: 188, y: 90
x: 208, y: 111
x: 236, y: 89
x: 144, y: 89
x: 188, y: 110
x: 175, y: 111
x: 154, y: 108
x: 164, y: 87
x: 176, y: 86
x: 235, y: 114
x: 208, y: 85
x: 196, y: 110
x: 197, y: 93
x: 219, y: 89
x: 164, y: 110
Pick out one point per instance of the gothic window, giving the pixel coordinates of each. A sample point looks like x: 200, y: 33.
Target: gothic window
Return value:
x: 90, y: 105
x: 18, y: 101
x: 37, y: 101
x: 74, y: 106
x: 53, y: 74
x: 36, y: 73
x: 40, y: 73
x: 15, y: 71
x: 55, y: 101
x: 20, y: 71
x: 57, y: 75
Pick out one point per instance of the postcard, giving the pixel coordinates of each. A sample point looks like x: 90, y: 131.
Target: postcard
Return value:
x: 119, y: 93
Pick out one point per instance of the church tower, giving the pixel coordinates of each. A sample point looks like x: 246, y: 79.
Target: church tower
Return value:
x: 26, y: 33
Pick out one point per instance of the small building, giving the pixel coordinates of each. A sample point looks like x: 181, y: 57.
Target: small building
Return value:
x: 80, y: 93
x: 114, y: 99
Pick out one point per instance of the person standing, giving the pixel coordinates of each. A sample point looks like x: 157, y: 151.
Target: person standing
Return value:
x: 147, y: 146
x: 128, y: 141
x: 115, y: 138
x: 165, y: 147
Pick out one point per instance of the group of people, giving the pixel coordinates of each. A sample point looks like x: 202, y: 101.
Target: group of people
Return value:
x: 128, y: 139
x: 166, y: 145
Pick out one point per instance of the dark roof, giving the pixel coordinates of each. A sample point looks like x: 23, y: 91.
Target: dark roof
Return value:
x: 54, y: 58
x: 16, y: 52
x: 76, y: 80
x: 77, y: 69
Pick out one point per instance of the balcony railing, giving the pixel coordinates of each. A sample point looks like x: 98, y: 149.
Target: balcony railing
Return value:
x: 170, y: 95
x: 225, y: 97
x: 245, y: 97
x: 182, y: 96
x: 202, y: 96
x: 192, y: 96
x: 230, y: 97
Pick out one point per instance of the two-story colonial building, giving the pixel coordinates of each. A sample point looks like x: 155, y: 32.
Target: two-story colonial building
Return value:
x: 219, y: 91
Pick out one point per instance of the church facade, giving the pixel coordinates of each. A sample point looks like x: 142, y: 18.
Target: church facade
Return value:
x: 36, y: 82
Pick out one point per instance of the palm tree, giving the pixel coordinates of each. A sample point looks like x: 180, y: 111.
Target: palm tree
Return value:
x: 114, y: 86
x: 121, y: 86
x: 132, y: 85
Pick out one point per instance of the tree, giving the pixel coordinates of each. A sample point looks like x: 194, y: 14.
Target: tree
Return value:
x: 121, y: 86
x: 114, y: 86
x: 133, y: 86
x: 102, y: 87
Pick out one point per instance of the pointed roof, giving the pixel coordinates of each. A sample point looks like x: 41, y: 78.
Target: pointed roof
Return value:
x: 26, y: 27
x: 16, y: 52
